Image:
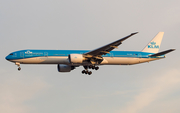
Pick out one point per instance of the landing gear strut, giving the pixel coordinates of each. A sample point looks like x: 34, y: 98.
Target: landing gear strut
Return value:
x: 18, y: 64
x: 93, y: 67
x: 90, y: 67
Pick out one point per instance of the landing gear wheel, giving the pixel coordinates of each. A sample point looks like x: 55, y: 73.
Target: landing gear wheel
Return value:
x: 93, y: 67
x: 86, y: 67
x: 86, y: 72
x: 19, y: 69
x: 83, y: 71
x: 89, y: 73
x: 96, y: 68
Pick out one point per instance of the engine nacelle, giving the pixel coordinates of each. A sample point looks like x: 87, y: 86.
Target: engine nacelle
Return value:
x: 76, y: 58
x: 64, y: 68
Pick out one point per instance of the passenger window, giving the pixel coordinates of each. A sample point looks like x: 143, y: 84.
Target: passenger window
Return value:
x: 11, y: 54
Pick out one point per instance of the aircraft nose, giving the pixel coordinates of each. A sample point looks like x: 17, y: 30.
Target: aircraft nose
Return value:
x: 7, y: 57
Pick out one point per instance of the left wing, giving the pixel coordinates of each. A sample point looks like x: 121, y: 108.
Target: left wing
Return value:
x: 107, y: 48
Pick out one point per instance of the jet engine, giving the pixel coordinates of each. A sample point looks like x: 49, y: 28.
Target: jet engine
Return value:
x: 64, y: 68
x: 76, y: 58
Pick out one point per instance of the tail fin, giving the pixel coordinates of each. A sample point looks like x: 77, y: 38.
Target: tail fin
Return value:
x: 154, y: 44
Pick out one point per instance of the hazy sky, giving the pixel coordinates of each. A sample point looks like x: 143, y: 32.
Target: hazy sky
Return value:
x: 88, y: 24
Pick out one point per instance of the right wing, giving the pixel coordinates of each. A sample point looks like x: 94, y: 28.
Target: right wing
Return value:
x: 107, y: 48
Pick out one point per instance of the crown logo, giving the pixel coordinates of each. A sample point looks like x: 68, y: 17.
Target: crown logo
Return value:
x: 28, y: 52
x: 153, y: 43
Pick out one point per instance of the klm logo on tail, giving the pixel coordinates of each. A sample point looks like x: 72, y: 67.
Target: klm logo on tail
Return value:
x: 153, y: 45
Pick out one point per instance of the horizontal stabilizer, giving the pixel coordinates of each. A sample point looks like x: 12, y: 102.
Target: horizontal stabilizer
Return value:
x: 162, y: 53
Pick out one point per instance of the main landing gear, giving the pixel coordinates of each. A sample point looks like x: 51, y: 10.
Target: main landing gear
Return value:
x: 18, y: 64
x: 90, y: 67
x: 86, y: 72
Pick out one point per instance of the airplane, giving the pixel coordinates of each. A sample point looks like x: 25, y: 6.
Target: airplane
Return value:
x: 68, y: 60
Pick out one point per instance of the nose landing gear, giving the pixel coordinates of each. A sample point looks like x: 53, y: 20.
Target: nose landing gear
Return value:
x: 18, y: 64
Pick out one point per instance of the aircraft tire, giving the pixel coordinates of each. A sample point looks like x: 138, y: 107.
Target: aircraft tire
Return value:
x: 96, y: 68
x: 89, y: 73
x: 83, y: 71
x: 19, y: 69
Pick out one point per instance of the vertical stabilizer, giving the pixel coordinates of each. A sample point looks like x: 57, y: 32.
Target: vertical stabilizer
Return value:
x: 154, y: 44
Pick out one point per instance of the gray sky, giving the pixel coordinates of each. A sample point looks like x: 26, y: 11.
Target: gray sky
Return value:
x: 88, y: 24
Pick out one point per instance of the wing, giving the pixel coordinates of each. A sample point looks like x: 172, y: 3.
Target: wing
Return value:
x: 107, y: 48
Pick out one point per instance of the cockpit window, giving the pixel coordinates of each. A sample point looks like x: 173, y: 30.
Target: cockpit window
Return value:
x: 11, y: 54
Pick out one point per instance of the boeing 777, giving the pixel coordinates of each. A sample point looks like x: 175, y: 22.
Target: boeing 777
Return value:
x: 68, y: 60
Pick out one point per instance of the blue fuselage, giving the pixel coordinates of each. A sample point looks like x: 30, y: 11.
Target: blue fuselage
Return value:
x: 61, y: 57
